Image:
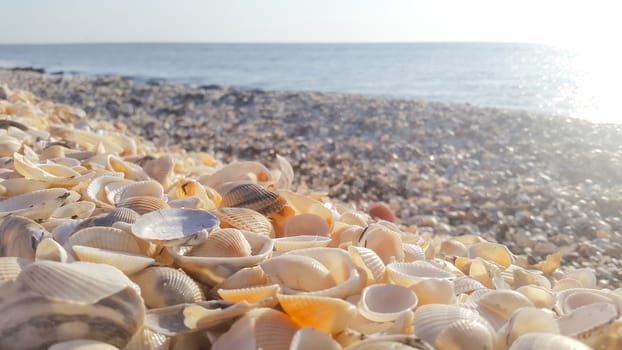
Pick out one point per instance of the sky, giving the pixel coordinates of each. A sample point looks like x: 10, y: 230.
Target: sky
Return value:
x: 565, y: 23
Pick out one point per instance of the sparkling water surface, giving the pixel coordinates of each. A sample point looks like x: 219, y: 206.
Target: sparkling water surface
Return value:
x: 532, y: 77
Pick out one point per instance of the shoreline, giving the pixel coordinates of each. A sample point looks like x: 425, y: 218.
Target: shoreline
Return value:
x: 539, y: 184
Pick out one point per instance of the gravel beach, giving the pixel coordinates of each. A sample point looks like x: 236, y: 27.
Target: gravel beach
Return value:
x: 538, y: 184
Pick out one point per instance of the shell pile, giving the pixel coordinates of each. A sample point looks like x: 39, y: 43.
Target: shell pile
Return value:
x: 107, y: 242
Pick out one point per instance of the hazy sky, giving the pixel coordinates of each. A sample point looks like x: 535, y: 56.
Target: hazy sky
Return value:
x: 545, y: 21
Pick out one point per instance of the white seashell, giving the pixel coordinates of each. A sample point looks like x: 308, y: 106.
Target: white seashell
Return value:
x: 164, y: 286
x: 497, y: 306
x: 385, y: 302
x: 17, y: 186
x: 286, y: 177
x: 407, y: 274
x: 37, y: 205
x: 227, y: 242
x: 539, y: 296
x: 368, y: 260
x: 571, y: 299
x: 174, y: 226
x: 55, y: 174
x: 528, y: 320
x: 310, y: 338
x: 587, y: 277
x: 214, y: 270
x: 19, y: 237
x: 547, y: 341
x: 126, y: 262
x: 82, y: 344
x: 435, y: 291
x: 130, y: 170
x: 400, y: 341
x: 148, y: 188
x: 74, y: 210
x: 49, y: 249
x: 96, y: 189
x: 300, y: 242
x: 412, y: 252
x: 244, y: 219
x: 589, y: 323
x: 386, y: 243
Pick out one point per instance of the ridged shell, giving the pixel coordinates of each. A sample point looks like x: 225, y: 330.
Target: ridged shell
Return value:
x: 227, y: 242
x: 174, y: 226
x: 547, y: 341
x: 330, y: 315
x: 126, y: 262
x: 245, y: 277
x: 452, y: 326
x: 412, y: 252
x: 96, y: 189
x: 108, y: 238
x: 83, y: 298
x: 386, y: 243
x: 586, y: 277
x: 528, y: 320
x: 10, y: 268
x: 305, y: 224
x: 250, y: 294
x: 497, y: 253
x: 259, y: 329
x: 130, y: 170
x: 407, y: 274
x: 214, y: 270
x: 300, y: 242
x: 385, y: 302
x: 244, y: 219
x: 571, y: 299
x: 497, y: 306
x: 49, y: 249
x: 255, y: 197
x: 589, y: 323
x: 539, y: 296
x: 162, y: 286
x: 435, y: 291
x: 37, y: 205
x: 143, y: 204
x: 466, y: 284
x: 148, y: 188
x: 19, y: 237
x: 369, y: 261
x: 238, y: 171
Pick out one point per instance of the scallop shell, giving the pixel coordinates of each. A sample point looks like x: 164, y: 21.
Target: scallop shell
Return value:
x: 164, y: 286
x: 385, y: 302
x: 19, y: 237
x: 10, y: 268
x: 244, y: 219
x: 330, y: 315
x: 466, y: 284
x: 308, y: 338
x: 407, y: 274
x: 412, y: 252
x: 547, y: 341
x: 227, y: 242
x: 305, y: 224
x: 214, y: 270
x: 148, y: 188
x: 174, y: 226
x: 37, y: 205
x: 370, y: 261
x: 259, y: 329
x: 253, y: 197
x: 108, y: 238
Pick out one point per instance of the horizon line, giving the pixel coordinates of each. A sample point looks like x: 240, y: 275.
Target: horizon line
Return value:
x: 279, y: 42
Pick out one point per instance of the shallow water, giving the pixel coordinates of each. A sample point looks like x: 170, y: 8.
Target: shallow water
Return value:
x: 520, y: 76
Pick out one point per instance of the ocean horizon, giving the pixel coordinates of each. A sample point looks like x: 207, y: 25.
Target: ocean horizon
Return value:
x: 533, y: 77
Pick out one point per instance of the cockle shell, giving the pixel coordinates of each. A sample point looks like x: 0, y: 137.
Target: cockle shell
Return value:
x: 19, y: 237
x: 147, y: 188
x: 97, y: 190
x: 435, y: 291
x: 386, y: 243
x: 300, y: 242
x: 237, y: 171
x: 571, y: 299
x: 87, y: 301
x: 143, y: 204
x: 37, y: 205
x: 227, y: 242
x: 327, y: 314
x: 259, y: 329
x: 253, y: 197
x: 385, y: 302
x: 174, y: 226
x: 11, y: 267
x: 214, y: 270
x: 162, y: 286
x: 368, y: 260
x: 589, y: 323
x: 407, y: 274
x: 497, y: 306
x: 527, y: 320
x: 244, y: 219
x: 401, y: 342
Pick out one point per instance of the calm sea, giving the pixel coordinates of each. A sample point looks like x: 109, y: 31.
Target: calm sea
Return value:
x: 519, y: 76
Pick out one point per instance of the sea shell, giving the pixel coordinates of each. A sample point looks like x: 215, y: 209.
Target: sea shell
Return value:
x: 327, y: 271
x: 74, y: 210
x: 407, y: 274
x: 82, y: 344
x: 589, y: 323
x: 148, y: 188
x: 20, y: 185
x: 37, y: 205
x: 214, y: 270
x: 86, y: 301
x: 97, y: 189
x: 19, y: 237
x: 369, y: 261
x: 161, y: 169
x: 305, y: 224
x: 330, y: 315
x: 286, y: 176
x: 108, y: 238
x: 259, y: 329
x: 143, y: 204
x: 244, y: 219
x: 539, y: 296
x: 191, y: 188
x: 402, y: 342
x: 238, y: 171
x: 162, y: 286
x: 49, y: 249
x: 305, y: 205
x: 11, y: 267
x: 55, y: 174
x: 300, y: 242
x: 435, y: 291
x: 386, y: 243
x: 130, y: 170
x: 253, y: 197
x: 308, y: 338
x: 528, y: 320
x: 249, y: 294
x: 586, y: 277
x: 227, y: 242
x: 570, y: 299
x: 453, y: 327
x: 174, y: 226
x: 497, y: 306
x: 126, y: 262
x: 547, y: 341
x: 385, y: 302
